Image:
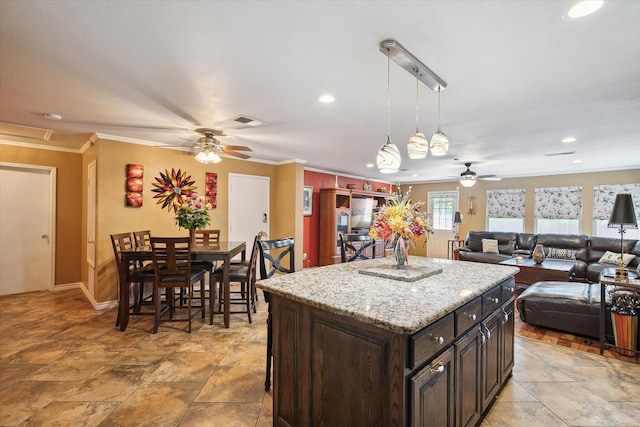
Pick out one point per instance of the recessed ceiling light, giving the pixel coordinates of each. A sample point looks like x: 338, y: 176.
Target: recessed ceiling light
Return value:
x: 369, y: 165
x: 568, y: 139
x: 327, y: 99
x: 52, y: 116
x: 584, y: 8
x: 415, y: 175
x: 577, y: 161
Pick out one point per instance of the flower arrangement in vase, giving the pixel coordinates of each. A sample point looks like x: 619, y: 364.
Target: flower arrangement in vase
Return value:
x: 192, y: 212
x: 401, y: 222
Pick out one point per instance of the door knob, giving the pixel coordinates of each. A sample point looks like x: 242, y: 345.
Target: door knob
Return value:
x: 264, y: 217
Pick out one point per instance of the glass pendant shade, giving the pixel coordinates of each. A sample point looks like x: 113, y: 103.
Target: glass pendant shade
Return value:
x: 439, y: 143
x: 208, y: 157
x: 418, y: 146
x: 388, y: 159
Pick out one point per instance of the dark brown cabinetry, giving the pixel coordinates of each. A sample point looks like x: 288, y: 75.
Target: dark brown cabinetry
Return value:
x: 335, y: 370
x: 339, y: 211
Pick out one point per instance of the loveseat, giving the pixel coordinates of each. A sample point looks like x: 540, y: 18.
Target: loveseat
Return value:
x: 584, y: 251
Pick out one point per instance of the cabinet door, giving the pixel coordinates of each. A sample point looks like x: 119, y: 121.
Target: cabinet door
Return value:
x: 468, y: 369
x: 432, y: 393
x: 507, y: 335
x: 491, y: 350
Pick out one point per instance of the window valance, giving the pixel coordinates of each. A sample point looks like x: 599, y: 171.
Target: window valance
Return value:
x: 558, y: 202
x: 605, y: 195
x: 506, y: 203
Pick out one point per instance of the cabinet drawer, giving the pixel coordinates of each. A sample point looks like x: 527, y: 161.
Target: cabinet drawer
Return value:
x: 468, y: 315
x: 431, y: 340
x: 491, y: 300
x: 508, y: 287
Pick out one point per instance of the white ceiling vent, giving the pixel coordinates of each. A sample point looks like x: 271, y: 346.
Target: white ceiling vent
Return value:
x: 564, y: 153
x: 248, y: 121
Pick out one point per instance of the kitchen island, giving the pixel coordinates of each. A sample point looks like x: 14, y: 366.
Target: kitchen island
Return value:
x: 353, y: 349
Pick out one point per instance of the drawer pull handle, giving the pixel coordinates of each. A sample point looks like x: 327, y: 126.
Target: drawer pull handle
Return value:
x: 488, y: 332
x: 439, y: 340
x: 439, y: 369
x: 483, y: 338
x: 505, y: 315
x: 511, y: 289
x: 472, y: 316
x: 494, y: 300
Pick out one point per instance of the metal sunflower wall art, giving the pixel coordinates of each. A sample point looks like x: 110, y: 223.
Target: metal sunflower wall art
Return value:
x: 171, y: 186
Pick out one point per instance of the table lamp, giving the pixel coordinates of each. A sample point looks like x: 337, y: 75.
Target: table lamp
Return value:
x: 457, y: 220
x: 623, y: 217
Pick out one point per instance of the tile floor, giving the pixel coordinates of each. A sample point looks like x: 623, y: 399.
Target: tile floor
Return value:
x: 65, y: 364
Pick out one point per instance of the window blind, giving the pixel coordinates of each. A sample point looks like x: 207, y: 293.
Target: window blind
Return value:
x: 506, y: 203
x: 558, y: 203
x: 604, y: 197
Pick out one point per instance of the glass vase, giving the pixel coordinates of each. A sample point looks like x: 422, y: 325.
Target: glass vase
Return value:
x: 400, y: 253
x: 538, y: 254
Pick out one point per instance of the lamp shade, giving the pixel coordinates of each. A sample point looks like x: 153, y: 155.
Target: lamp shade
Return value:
x: 623, y: 214
x: 457, y: 219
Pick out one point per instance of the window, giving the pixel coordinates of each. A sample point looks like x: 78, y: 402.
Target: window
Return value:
x: 505, y: 210
x: 442, y: 205
x: 603, y: 199
x: 515, y: 225
x: 558, y: 210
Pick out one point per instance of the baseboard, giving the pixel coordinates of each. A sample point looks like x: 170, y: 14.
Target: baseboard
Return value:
x: 79, y: 285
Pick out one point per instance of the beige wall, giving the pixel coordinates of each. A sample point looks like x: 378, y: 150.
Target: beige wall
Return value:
x: 479, y: 192
x: 286, y: 202
x: 69, y: 202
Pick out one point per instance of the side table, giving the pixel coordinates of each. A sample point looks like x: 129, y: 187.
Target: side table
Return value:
x: 632, y: 285
x: 452, y: 245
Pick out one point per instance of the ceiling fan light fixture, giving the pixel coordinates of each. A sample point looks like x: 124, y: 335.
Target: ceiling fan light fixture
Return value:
x: 467, y: 181
x: 208, y: 156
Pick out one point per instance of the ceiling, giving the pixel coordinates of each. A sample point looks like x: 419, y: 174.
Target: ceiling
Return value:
x: 520, y: 78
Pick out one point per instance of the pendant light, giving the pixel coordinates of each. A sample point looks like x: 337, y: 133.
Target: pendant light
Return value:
x: 439, y: 141
x: 418, y: 146
x: 388, y: 159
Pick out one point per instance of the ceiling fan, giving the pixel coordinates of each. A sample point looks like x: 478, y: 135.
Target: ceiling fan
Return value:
x: 209, y: 147
x: 468, y: 178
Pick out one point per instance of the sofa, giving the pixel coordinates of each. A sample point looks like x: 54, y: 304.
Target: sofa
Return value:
x: 584, y: 251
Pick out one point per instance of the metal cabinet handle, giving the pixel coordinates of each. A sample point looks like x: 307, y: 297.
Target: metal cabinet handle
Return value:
x: 505, y: 315
x: 483, y: 338
x: 488, y: 332
x: 439, y: 369
x: 439, y: 340
x: 472, y: 316
x: 494, y: 300
x: 510, y: 289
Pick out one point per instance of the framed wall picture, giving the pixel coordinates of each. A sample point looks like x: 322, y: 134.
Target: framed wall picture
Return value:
x: 307, y: 200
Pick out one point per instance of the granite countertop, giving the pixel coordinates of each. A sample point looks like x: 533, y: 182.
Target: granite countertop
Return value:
x: 399, y: 306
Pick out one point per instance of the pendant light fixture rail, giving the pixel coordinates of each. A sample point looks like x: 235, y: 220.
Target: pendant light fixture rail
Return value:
x: 413, y: 65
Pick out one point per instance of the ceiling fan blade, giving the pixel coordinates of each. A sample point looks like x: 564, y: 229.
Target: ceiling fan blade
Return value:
x: 490, y: 178
x: 235, y: 154
x: 238, y: 147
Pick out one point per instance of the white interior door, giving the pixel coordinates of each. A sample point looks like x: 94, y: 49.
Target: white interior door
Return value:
x: 27, y: 200
x: 442, y: 205
x: 248, y: 207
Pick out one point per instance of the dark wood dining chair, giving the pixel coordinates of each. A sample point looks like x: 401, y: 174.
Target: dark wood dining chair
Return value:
x: 205, y: 237
x: 136, y: 274
x: 143, y: 239
x: 276, y: 256
x: 172, y: 267
x: 353, y: 247
x: 246, y: 276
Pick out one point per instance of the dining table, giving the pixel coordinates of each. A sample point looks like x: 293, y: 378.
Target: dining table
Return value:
x: 223, y: 251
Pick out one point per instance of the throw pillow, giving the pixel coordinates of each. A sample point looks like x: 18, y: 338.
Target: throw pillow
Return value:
x: 559, y: 253
x: 613, y: 257
x: 475, y: 240
x: 490, y: 246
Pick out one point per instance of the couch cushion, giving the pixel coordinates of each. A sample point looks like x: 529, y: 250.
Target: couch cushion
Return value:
x: 474, y: 239
x: 561, y: 253
x: 577, y: 242
x: 482, y: 257
x: 613, y: 258
x: 490, y: 246
x: 599, y: 245
x: 526, y: 241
